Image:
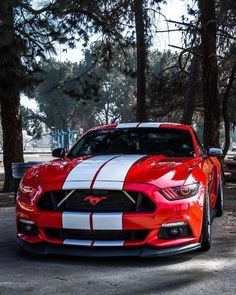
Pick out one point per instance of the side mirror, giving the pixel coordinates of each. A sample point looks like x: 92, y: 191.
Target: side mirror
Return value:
x: 59, y: 153
x: 214, y: 152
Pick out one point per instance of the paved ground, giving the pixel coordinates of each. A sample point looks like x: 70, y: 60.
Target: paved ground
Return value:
x: 34, y: 157
x: 213, y: 272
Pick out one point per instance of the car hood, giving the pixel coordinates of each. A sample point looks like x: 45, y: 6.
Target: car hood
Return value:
x: 111, y: 172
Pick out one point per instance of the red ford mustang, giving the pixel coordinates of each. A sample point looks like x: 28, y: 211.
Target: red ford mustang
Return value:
x: 146, y: 189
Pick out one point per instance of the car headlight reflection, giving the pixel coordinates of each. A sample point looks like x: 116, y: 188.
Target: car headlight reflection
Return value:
x: 180, y: 192
x: 26, y: 190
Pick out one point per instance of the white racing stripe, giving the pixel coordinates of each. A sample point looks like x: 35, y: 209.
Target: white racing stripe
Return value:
x: 144, y: 125
x: 127, y: 125
x: 76, y: 220
x: 71, y: 185
x: 107, y: 221
x: 100, y: 221
x: 73, y: 242
x: 112, y: 175
x: 149, y: 125
x: 81, y: 176
x: 89, y: 243
x: 109, y: 185
x: 108, y: 243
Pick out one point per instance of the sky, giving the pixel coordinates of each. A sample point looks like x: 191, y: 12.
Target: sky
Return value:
x: 173, y: 11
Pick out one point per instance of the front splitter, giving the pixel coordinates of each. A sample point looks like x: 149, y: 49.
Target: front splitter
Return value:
x: 145, y: 251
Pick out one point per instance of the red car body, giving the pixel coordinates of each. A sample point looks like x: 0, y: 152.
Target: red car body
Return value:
x: 166, y: 225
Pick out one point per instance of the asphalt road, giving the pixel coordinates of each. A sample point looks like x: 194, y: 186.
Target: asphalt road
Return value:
x: 213, y: 272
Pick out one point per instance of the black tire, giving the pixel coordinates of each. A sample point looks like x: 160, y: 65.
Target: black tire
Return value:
x: 206, y: 225
x: 220, y: 199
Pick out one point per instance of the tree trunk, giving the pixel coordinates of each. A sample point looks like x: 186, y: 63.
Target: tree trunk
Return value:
x: 190, y: 94
x: 141, y: 60
x: 11, y: 79
x: 225, y: 110
x: 210, y: 74
x: 12, y: 137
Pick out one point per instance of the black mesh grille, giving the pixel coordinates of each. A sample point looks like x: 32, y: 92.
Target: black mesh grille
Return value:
x: 98, y: 235
x: 96, y: 201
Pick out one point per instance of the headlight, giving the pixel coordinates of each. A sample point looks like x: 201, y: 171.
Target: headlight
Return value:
x: 180, y: 192
x: 27, y: 190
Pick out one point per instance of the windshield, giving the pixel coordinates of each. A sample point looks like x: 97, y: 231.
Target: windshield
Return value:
x: 155, y: 141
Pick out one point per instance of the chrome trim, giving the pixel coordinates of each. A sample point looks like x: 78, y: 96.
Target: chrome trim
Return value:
x: 129, y: 196
x: 66, y: 197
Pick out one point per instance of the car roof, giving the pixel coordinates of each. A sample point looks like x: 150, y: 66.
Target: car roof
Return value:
x: 144, y: 125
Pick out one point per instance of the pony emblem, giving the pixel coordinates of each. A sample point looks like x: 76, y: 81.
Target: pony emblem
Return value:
x: 94, y: 200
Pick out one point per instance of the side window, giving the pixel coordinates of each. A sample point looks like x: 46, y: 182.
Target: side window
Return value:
x: 200, y: 147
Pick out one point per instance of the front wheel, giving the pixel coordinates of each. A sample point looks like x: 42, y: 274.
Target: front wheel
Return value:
x: 206, y: 225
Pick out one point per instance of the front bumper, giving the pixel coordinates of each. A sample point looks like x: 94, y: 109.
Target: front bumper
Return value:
x: 145, y: 251
x: 188, y: 210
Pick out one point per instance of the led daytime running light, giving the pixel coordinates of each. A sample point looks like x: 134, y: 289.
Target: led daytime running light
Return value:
x: 180, y: 192
x: 29, y: 190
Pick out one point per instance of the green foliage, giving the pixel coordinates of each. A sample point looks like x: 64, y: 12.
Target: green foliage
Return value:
x: 32, y: 123
x: 166, y: 85
x: 26, y: 34
x: 71, y: 95
x: 56, y: 108
x: 63, y: 98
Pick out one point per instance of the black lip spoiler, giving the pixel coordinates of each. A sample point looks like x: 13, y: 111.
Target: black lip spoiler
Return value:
x: 46, y: 248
